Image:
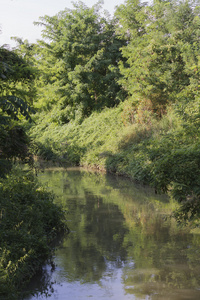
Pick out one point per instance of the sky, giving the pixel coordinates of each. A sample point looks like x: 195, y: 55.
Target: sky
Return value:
x: 17, y: 16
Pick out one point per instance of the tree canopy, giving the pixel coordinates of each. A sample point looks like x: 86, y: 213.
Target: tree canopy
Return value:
x: 162, y: 51
x: 79, y: 64
x: 14, y: 73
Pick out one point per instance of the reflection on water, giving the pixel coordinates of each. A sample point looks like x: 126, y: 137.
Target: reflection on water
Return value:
x: 121, y: 245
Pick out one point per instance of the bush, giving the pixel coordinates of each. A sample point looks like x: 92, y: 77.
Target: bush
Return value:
x: 29, y: 222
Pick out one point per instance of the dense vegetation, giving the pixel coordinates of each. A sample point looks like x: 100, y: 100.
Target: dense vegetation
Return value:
x: 29, y: 220
x: 122, y: 93
x: 117, y: 93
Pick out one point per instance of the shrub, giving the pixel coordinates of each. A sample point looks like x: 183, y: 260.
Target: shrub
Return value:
x: 29, y: 222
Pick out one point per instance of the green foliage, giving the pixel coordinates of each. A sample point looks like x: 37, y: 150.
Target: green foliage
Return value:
x: 168, y: 158
x: 88, y: 63
x: 13, y: 145
x: 163, y: 50
x: 14, y: 141
x: 176, y: 162
x: 12, y: 67
x: 162, y: 153
x: 11, y: 107
x: 78, y: 62
x: 14, y: 71
x: 29, y: 222
x: 75, y: 143
x: 28, y: 218
x: 16, y: 77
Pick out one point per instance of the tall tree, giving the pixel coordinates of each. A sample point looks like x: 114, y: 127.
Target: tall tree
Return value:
x: 162, y: 51
x: 81, y: 54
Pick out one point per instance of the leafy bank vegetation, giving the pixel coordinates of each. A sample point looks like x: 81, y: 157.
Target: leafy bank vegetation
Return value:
x: 122, y: 93
x: 119, y: 93
x: 29, y: 220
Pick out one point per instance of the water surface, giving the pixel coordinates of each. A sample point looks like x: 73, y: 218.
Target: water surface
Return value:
x: 122, y: 243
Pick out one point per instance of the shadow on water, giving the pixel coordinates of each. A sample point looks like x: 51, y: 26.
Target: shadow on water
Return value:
x: 121, y: 244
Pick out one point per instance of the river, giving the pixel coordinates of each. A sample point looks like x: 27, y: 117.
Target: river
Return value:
x: 122, y: 243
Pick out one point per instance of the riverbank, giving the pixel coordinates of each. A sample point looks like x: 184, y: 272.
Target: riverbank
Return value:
x: 30, y: 221
x: 161, y: 152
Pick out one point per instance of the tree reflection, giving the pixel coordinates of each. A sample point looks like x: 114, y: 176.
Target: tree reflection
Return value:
x: 116, y: 224
x: 98, y: 239
x: 166, y: 258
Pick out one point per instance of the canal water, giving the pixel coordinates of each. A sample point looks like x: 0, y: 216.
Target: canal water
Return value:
x: 122, y: 245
